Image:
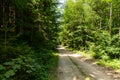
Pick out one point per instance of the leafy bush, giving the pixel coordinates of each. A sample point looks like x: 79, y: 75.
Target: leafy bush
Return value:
x: 11, y: 52
x: 115, y: 41
x: 113, y: 52
x: 21, y: 68
x: 28, y: 67
x: 105, y: 47
x: 105, y: 57
x: 22, y: 62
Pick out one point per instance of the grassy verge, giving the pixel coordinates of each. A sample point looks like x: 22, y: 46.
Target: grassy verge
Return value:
x: 113, y: 63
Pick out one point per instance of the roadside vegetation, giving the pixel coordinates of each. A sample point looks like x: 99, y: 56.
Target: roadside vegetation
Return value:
x: 94, y: 27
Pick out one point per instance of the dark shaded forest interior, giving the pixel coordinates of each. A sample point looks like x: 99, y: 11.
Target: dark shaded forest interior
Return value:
x: 28, y: 31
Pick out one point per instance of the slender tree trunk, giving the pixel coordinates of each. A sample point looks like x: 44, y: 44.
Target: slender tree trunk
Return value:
x: 110, y: 21
x: 4, y: 25
x: 1, y: 13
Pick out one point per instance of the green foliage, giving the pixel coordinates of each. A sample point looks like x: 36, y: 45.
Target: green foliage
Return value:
x: 14, y: 51
x: 113, y: 63
x: 35, y: 67
x: 9, y: 73
x: 105, y: 57
x: 92, y: 26
x: 28, y: 33
x: 104, y: 46
x: 2, y: 67
x: 19, y: 68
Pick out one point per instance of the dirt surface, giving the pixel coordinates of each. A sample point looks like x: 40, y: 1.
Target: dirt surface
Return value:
x: 75, y: 67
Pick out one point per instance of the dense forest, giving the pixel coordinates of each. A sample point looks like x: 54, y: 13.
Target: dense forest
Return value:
x: 93, y: 26
x: 31, y: 29
x: 28, y: 31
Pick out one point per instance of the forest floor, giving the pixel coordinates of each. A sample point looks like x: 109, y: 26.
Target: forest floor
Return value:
x: 75, y: 67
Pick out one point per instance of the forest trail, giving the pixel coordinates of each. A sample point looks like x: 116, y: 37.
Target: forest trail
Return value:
x: 72, y: 68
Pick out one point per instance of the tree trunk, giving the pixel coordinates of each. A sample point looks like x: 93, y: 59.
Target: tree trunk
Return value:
x: 110, y: 21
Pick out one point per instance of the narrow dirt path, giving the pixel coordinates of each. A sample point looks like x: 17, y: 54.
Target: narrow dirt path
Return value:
x: 71, y: 68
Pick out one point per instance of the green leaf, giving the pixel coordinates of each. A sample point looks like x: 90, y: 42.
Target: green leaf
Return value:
x: 9, y: 63
x: 9, y: 73
x: 2, y: 67
x: 16, y: 66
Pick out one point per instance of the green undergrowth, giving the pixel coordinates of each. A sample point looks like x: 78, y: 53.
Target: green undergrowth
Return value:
x: 114, y: 63
x: 53, y: 66
x: 30, y: 64
x: 49, y: 70
x: 104, y: 61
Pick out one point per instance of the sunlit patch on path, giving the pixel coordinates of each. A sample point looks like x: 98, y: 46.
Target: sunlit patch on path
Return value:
x: 72, y: 55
